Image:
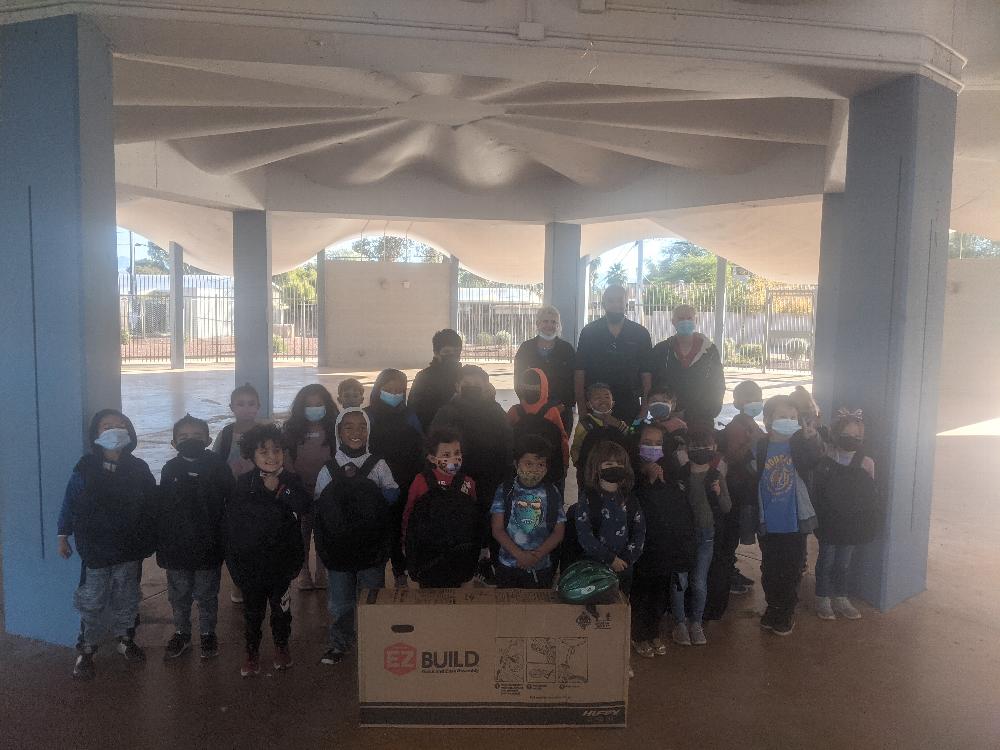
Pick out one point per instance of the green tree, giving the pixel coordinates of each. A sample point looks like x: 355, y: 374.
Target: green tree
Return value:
x: 682, y: 261
x: 594, y: 269
x: 616, y: 276
x: 157, y: 261
x: 299, y: 283
x: 963, y: 245
x: 392, y: 248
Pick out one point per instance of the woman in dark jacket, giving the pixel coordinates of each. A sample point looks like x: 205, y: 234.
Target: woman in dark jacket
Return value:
x: 553, y: 356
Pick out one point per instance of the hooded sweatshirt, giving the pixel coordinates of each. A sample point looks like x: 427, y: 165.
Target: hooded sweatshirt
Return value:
x: 109, y: 506
x: 552, y: 414
x: 397, y: 436
x: 381, y: 474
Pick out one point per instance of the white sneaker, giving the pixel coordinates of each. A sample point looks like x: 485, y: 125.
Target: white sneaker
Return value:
x: 236, y: 596
x: 843, y: 607
x: 824, y: 608
x: 697, y: 634
x: 680, y: 635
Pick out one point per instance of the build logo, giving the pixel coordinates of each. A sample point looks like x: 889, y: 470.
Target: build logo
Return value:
x: 400, y: 659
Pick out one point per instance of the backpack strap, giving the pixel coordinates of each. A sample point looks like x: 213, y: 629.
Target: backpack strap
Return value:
x: 457, y: 481
x: 369, y: 466
x: 859, y: 457
x: 519, y: 410
x: 508, y: 492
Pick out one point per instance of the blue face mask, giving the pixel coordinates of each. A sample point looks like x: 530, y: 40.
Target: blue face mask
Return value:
x: 659, y: 410
x: 114, y: 439
x: 315, y: 413
x: 391, y: 399
x: 753, y: 409
x: 785, y: 427
x: 684, y: 327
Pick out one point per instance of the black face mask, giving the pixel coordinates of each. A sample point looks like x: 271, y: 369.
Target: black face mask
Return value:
x: 613, y: 474
x: 614, y: 318
x: 473, y: 392
x: 848, y: 443
x: 701, y: 456
x: 190, y: 448
x: 528, y: 396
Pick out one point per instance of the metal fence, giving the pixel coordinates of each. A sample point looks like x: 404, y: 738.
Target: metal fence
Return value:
x: 766, y: 326
x: 493, y: 320
x: 146, y: 319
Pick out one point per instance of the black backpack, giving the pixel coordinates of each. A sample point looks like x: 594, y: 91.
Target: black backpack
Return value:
x: 353, y: 520
x: 571, y: 550
x: 537, y: 424
x: 444, y: 534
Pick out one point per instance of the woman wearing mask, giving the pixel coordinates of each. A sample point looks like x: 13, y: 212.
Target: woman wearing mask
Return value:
x: 555, y: 357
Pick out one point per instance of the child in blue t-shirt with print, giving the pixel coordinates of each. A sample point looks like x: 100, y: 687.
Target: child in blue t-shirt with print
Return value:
x: 527, y: 519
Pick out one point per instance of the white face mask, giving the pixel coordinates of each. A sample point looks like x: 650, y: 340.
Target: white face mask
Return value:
x: 114, y: 439
x: 548, y: 336
x: 315, y: 413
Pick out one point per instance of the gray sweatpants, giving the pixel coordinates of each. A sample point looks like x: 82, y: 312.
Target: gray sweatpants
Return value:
x: 108, y: 594
x: 187, y: 586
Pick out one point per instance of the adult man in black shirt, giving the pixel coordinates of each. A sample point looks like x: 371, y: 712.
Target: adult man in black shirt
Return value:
x: 614, y: 350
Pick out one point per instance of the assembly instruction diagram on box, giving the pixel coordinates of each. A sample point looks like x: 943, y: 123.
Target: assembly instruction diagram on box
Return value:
x: 526, y: 663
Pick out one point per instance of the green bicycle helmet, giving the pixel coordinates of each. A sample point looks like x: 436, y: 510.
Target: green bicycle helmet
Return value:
x: 588, y: 582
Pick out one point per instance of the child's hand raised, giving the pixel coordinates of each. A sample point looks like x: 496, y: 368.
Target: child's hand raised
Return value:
x: 618, y: 565
x: 65, y: 550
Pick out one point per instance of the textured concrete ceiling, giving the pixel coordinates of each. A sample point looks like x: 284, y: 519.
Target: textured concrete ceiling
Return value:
x: 470, y: 124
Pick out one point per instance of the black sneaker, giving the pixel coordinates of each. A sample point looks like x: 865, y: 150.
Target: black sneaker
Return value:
x: 177, y: 645
x: 84, y: 667
x: 130, y: 650
x: 332, y: 656
x: 768, y: 619
x: 209, y: 645
x: 784, y: 626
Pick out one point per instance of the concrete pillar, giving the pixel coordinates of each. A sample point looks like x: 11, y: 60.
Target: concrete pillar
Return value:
x: 176, y: 306
x: 827, y: 298
x: 58, y: 299
x: 883, y: 302
x: 252, y: 308
x: 453, y: 296
x: 583, y: 285
x: 721, y: 272
x: 322, y: 357
x: 562, y: 276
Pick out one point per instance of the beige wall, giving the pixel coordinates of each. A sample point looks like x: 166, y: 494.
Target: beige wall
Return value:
x: 970, y: 357
x: 382, y: 315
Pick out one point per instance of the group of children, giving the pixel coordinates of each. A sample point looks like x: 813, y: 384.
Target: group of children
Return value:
x: 662, y: 503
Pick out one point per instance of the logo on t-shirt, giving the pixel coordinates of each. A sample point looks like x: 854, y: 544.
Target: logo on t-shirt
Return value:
x: 780, y: 473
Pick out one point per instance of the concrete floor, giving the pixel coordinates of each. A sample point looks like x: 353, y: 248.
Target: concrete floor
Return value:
x: 921, y: 676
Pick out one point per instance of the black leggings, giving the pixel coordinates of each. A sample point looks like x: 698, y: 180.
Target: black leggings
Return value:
x: 255, y: 602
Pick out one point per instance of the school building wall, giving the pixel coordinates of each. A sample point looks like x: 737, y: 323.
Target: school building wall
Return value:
x: 970, y: 357
x: 383, y: 314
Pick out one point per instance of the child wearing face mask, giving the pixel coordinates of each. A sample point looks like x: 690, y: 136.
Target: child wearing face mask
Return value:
x: 310, y: 441
x: 701, y: 474
x: 669, y: 548
x: 244, y: 402
x: 537, y: 415
x: 849, y: 511
x: 350, y: 393
x: 748, y: 399
x: 397, y: 436
x: 438, y: 557
x: 785, y: 511
x: 608, y: 521
x: 264, y: 543
x: 596, y: 426
x: 195, y: 487
x: 109, y: 510
x: 527, y: 519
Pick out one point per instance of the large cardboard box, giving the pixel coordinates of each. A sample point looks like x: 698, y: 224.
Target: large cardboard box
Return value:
x: 489, y: 657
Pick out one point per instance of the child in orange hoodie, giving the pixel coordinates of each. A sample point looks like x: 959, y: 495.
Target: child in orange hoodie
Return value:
x: 537, y: 415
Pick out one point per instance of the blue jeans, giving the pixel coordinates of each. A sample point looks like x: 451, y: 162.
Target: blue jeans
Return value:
x: 342, y: 598
x: 108, y: 594
x: 187, y: 586
x: 697, y: 578
x: 832, y: 567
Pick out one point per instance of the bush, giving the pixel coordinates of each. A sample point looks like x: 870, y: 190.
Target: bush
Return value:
x: 503, y: 338
x: 744, y: 355
x: 278, y: 345
x: 796, y: 348
x: 125, y: 337
x: 484, y: 339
